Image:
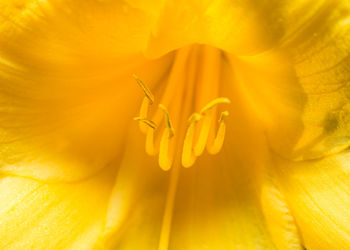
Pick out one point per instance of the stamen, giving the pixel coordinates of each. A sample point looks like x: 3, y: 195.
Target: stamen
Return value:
x: 191, y: 150
x: 165, y: 156
x: 204, y: 133
x: 151, y: 126
x: 165, y: 159
x: 215, y: 102
x: 147, y: 100
x: 148, y: 126
x: 146, y: 121
x: 144, y: 88
x: 150, y: 147
x: 167, y: 120
x: 208, y: 114
x: 188, y: 157
x: 220, y: 135
x: 144, y: 114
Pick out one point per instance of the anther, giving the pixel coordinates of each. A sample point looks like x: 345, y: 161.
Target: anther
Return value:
x: 167, y: 120
x: 151, y: 126
x: 144, y: 88
x: 146, y: 121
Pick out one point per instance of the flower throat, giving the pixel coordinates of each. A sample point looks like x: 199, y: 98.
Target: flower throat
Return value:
x: 184, y: 93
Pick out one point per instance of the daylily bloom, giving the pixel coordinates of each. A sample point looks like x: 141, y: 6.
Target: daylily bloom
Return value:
x: 170, y: 124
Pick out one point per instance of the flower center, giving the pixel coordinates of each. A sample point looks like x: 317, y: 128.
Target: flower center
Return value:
x: 192, y: 95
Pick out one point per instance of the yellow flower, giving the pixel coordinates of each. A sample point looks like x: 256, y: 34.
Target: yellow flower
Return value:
x: 263, y: 85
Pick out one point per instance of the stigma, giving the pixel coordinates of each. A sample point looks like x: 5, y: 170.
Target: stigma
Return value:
x: 187, y: 138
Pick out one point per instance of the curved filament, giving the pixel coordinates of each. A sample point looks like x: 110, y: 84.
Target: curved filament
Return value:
x: 191, y: 149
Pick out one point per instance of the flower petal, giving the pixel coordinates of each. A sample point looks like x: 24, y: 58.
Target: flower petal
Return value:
x: 271, y: 92
x: 212, y: 209
x: 278, y: 216
x: 320, y: 53
x: 216, y: 205
x: 298, y: 89
x: 35, y: 215
x: 66, y: 77
x: 62, y: 129
x: 136, y: 206
x: 239, y: 27
x: 318, y: 194
x: 60, y: 31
